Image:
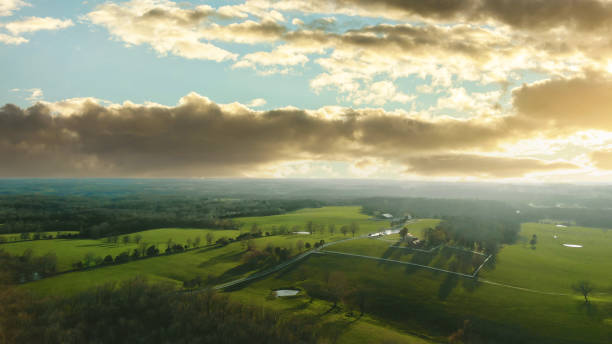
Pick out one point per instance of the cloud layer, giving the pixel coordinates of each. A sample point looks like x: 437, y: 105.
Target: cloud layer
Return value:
x: 201, y: 138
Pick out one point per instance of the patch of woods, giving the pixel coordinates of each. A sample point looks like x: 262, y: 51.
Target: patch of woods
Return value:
x: 475, y: 233
x: 597, y: 214
x: 139, y: 312
x: 26, y: 267
x: 100, y: 216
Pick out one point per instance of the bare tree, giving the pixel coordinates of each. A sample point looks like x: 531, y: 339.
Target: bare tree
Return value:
x: 299, y: 245
x: 584, y: 288
x: 137, y: 238
x: 189, y: 241
x: 344, y: 229
x: 354, y: 228
x: 126, y: 239
x: 197, y: 241
x: 209, y: 238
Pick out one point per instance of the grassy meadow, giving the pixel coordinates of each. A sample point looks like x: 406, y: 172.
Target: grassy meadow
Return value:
x: 523, y: 293
x: 69, y: 251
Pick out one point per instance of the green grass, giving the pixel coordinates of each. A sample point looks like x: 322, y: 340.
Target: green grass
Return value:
x: 416, y: 228
x: 327, y: 215
x: 69, y: 251
x: 17, y: 236
x: 224, y: 262
x: 552, y: 266
x: 403, y: 304
x: 430, y: 303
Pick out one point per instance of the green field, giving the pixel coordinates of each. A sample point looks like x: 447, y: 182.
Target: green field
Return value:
x: 418, y: 300
x: 69, y: 251
x: 327, y: 215
x: 17, y: 236
x: 522, y: 293
x: 552, y: 266
x: 224, y: 263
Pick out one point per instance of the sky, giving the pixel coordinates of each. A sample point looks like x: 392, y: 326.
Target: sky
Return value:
x: 459, y: 90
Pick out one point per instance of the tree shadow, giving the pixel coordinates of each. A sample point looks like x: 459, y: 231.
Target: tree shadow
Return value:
x: 333, y: 330
x: 221, y: 258
x: 450, y: 283
x: 589, y: 308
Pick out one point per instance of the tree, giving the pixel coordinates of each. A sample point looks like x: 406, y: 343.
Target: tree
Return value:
x: 209, y: 238
x: 189, y: 241
x: 137, y: 238
x: 152, y: 251
x: 403, y: 233
x: 254, y: 229
x: 307, y: 245
x: 344, y: 229
x: 169, y: 243
x: 337, y: 286
x: 142, y: 248
x: 533, y: 241
x: 332, y: 229
x: 584, y: 288
x: 354, y: 228
x: 197, y: 241
x: 126, y: 239
x: 250, y: 245
x: 310, y: 227
x: 108, y: 259
x: 89, y: 258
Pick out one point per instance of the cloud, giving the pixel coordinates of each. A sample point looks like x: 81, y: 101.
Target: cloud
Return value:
x: 6, y: 39
x: 165, y: 26
x: 7, y: 7
x: 35, y: 94
x: 257, y: 102
x: 482, y: 166
x: 574, y: 103
x: 188, y: 32
x: 198, y: 137
x: 584, y: 15
x: 602, y: 159
x: 33, y: 24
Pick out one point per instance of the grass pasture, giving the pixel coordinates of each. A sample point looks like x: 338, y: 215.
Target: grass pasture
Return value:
x: 17, y: 236
x: 403, y: 304
x: 340, y: 215
x: 224, y: 263
x: 69, y: 251
x: 552, y: 266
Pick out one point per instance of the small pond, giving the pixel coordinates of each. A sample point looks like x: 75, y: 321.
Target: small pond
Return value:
x: 286, y: 292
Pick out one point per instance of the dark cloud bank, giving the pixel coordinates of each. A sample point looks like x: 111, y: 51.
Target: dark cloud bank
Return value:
x: 201, y: 138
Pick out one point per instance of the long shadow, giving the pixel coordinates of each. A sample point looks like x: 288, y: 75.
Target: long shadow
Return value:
x: 590, y: 309
x: 221, y: 258
x: 450, y: 283
x: 421, y: 258
x: 333, y: 330
x: 292, y: 267
x: 98, y: 245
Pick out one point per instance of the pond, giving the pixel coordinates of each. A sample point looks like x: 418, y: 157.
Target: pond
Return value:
x: 286, y: 292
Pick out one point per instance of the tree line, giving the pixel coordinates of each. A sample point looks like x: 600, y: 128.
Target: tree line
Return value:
x: 99, y: 216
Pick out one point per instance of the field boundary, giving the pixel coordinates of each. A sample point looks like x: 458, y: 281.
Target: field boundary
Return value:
x: 396, y: 261
x: 320, y: 250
